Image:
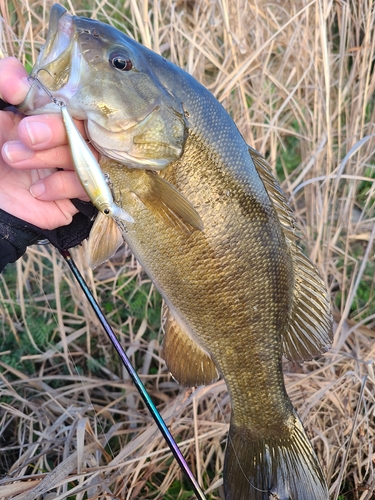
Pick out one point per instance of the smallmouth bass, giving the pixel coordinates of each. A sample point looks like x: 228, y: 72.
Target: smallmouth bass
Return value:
x: 214, y: 232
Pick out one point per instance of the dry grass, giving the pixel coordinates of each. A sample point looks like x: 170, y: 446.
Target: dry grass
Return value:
x: 298, y: 78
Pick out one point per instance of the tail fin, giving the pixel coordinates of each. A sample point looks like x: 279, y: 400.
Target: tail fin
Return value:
x: 278, y: 468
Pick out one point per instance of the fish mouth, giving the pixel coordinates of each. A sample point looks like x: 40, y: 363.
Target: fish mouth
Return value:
x: 57, y: 67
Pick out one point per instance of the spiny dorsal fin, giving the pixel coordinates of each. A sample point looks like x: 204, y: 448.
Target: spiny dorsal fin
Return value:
x: 309, y: 333
x: 161, y: 197
x: 104, y: 239
x: 188, y: 363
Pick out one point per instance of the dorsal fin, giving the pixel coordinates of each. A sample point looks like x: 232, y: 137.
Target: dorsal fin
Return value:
x: 309, y: 332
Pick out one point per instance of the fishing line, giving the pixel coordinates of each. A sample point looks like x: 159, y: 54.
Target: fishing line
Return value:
x: 135, y: 378
x: 59, y: 102
x: 230, y: 443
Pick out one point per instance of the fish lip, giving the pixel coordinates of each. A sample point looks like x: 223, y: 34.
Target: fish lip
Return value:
x: 59, y: 37
x: 57, y: 12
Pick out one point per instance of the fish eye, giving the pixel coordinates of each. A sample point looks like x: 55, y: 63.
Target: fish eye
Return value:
x: 120, y: 62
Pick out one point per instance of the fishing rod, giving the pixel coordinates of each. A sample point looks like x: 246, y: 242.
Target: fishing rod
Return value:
x: 134, y: 376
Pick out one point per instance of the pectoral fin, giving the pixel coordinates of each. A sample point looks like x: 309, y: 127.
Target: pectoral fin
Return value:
x: 164, y: 199
x: 105, y: 238
x: 189, y: 364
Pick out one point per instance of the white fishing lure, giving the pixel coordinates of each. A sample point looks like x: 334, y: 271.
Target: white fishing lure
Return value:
x: 89, y: 171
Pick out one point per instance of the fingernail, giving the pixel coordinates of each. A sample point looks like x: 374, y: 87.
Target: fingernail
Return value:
x: 37, y: 189
x: 16, y: 151
x: 38, y: 132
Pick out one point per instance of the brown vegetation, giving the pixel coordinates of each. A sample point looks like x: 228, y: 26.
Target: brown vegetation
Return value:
x: 298, y: 78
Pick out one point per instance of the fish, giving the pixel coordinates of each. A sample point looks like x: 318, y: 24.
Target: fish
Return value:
x: 214, y: 232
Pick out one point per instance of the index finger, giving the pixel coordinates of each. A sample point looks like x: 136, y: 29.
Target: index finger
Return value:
x: 40, y: 132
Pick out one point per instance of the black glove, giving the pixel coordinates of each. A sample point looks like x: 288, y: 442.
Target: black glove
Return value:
x: 16, y: 234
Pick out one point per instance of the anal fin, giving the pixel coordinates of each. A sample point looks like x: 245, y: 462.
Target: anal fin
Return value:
x: 189, y: 364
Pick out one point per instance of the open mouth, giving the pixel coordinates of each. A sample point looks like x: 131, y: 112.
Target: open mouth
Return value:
x: 58, y: 65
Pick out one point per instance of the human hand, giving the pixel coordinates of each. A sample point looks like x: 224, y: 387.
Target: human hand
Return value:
x: 33, y: 148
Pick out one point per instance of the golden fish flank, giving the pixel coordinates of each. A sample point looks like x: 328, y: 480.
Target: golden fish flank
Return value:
x: 214, y: 232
